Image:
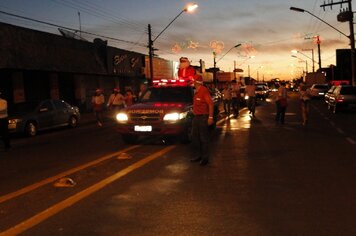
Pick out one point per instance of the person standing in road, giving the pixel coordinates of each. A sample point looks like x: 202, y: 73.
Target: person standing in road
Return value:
x: 129, y: 98
x: 281, y: 103
x: 116, y: 101
x: 4, y: 122
x: 235, y: 97
x: 98, y: 101
x: 305, y: 96
x: 227, y: 99
x: 203, y: 110
x: 143, y: 90
x: 251, y: 93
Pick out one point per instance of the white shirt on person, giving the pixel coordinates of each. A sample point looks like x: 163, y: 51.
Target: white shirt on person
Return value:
x: 116, y: 100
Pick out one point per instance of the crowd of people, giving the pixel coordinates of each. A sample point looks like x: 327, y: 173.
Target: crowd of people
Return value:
x: 115, y: 102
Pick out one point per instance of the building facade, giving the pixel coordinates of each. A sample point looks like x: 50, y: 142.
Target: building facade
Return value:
x: 36, y: 65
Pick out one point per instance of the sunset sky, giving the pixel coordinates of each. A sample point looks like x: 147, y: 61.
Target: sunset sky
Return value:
x: 267, y: 30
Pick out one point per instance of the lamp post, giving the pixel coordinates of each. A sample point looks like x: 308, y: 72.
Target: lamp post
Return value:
x: 351, y: 37
x: 312, y: 58
x: 306, y: 63
x: 312, y: 50
x: 188, y: 8
x: 214, y: 54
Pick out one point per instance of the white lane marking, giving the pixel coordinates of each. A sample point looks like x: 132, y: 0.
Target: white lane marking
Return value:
x: 58, y: 207
x: 34, y: 186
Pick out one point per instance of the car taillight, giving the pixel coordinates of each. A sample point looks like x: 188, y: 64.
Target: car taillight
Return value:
x: 340, y: 99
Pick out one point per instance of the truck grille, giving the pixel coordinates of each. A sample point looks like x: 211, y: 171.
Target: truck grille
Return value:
x: 145, y: 117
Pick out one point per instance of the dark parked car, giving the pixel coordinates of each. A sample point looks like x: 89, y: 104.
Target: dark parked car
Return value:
x: 319, y: 90
x: 31, y: 117
x: 344, y: 96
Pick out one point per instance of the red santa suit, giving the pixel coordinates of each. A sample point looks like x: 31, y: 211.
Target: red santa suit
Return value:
x: 185, y: 71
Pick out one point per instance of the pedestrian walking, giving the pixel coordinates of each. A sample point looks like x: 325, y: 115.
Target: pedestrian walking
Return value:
x: 235, y: 97
x: 227, y: 98
x: 116, y: 101
x: 203, y: 110
x: 281, y: 103
x: 4, y: 122
x: 98, y: 101
x: 304, y: 97
x: 250, y: 91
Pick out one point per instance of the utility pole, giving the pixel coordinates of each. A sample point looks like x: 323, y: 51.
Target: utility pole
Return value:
x: 150, y: 52
x: 319, y: 53
x: 347, y: 15
x: 214, y: 72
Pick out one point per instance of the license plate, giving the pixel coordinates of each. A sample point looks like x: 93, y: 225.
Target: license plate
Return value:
x: 12, y: 126
x: 140, y: 128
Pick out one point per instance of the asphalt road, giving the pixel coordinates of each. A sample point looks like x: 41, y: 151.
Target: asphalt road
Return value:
x: 263, y: 179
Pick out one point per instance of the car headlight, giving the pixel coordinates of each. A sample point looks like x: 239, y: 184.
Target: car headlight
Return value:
x: 175, y: 116
x: 122, y: 117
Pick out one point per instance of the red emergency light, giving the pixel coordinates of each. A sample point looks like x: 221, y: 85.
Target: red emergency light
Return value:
x: 175, y: 82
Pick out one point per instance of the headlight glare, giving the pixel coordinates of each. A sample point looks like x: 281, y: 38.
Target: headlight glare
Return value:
x: 175, y: 116
x: 122, y: 117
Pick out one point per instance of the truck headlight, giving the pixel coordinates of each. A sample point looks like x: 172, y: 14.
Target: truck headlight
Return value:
x: 122, y: 117
x: 174, y: 116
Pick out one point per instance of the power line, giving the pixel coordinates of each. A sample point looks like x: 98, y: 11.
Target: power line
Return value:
x: 67, y: 28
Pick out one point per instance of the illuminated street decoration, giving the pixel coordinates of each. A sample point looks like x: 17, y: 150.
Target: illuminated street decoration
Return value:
x: 248, y: 49
x: 217, y: 46
x: 189, y: 44
x: 176, y: 48
x: 192, y: 44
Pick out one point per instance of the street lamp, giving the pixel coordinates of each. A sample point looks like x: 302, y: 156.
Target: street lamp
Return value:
x: 351, y: 37
x: 312, y: 50
x: 214, y: 54
x: 188, y: 8
x: 301, y: 60
x: 312, y: 58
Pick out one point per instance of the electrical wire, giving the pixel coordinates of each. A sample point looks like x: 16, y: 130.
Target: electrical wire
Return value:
x: 71, y: 29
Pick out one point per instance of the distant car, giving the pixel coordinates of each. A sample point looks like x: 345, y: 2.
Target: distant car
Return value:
x: 31, y: 117
x: 343, y: 96
x: 319, y: 90
x: 328, y: 94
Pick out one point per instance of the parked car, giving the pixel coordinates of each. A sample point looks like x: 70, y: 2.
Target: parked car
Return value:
x: 319, y: 90
x: 343, y: 96
x: 328, y: 94
x: 31, y: 117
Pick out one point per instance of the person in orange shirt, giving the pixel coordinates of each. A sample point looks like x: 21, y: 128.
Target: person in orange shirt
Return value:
x: 203, y: 110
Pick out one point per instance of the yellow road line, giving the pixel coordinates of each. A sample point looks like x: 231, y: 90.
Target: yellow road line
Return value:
x: 36, y: 219
x: 32, y: 187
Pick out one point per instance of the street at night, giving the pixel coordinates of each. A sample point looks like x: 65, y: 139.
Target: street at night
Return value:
x: 263, y: 179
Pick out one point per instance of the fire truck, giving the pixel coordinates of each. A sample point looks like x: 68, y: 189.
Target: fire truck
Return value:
x: 165, y: 110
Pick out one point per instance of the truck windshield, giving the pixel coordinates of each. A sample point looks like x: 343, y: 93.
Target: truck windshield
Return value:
x: 168, y: 94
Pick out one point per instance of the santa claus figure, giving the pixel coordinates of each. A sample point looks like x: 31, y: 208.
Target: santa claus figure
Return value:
x: 185, y: 71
